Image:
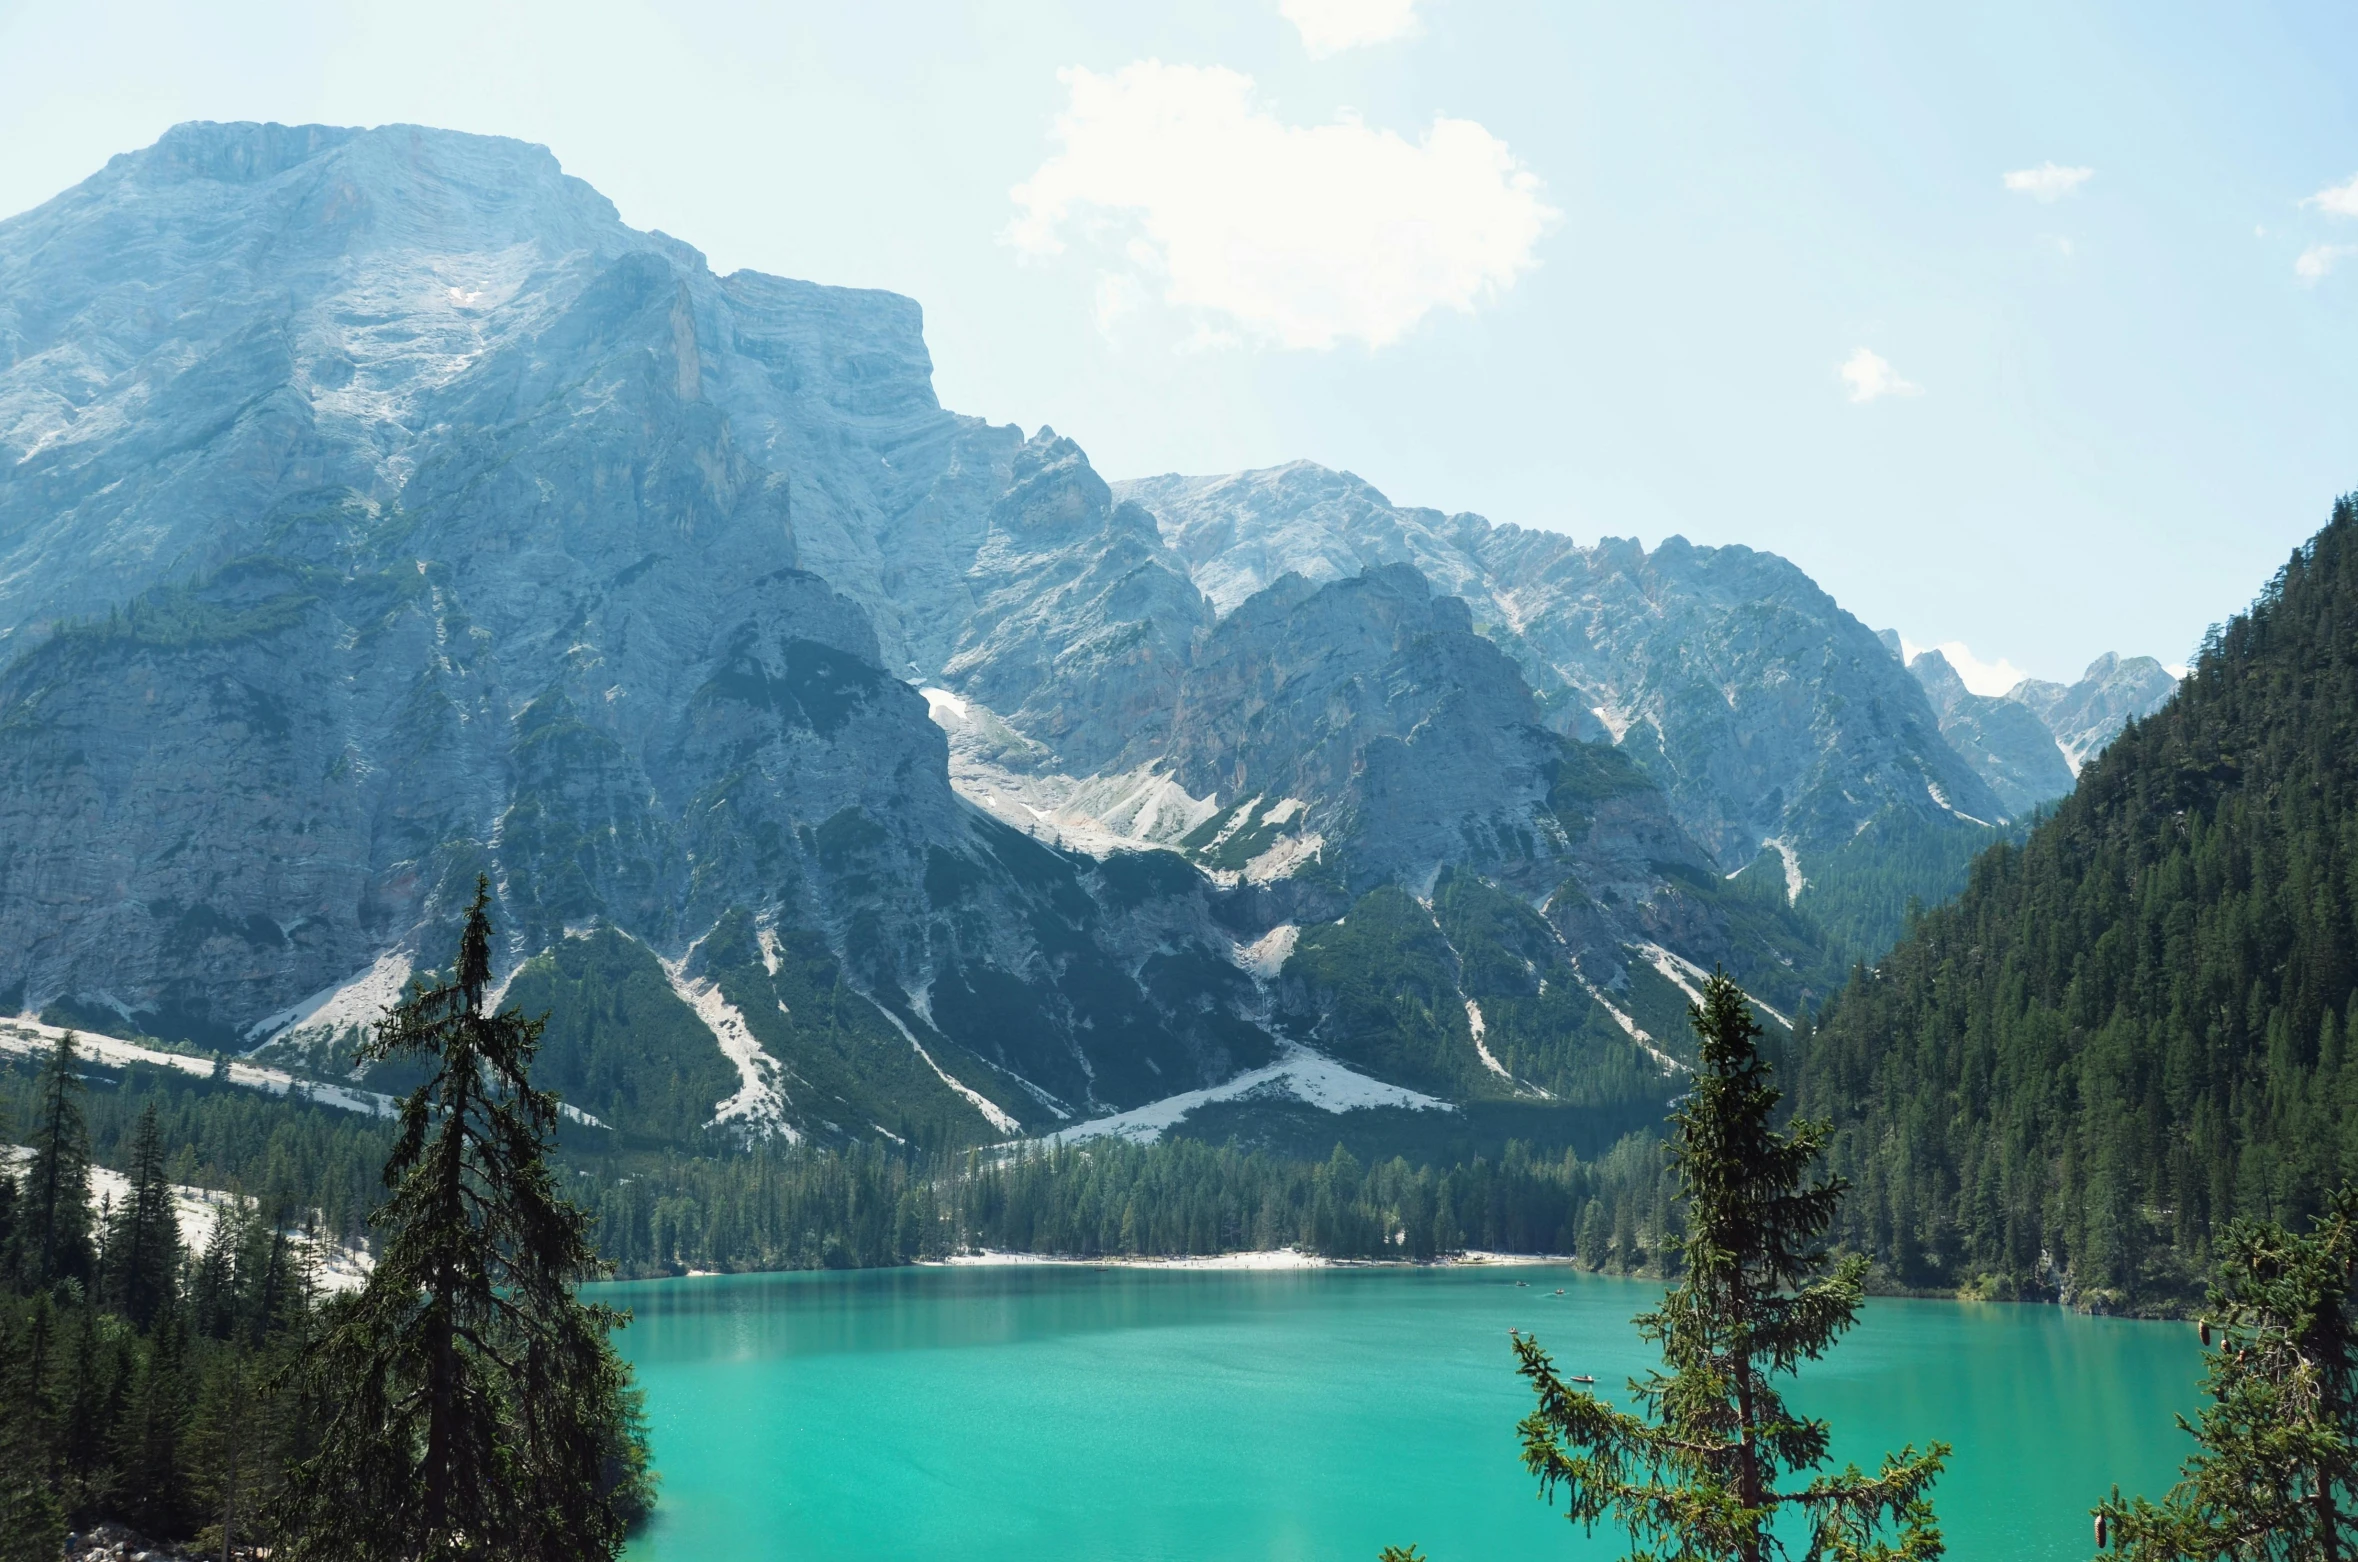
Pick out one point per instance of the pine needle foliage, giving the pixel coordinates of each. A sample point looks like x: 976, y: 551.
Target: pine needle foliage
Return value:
x: 472, y: 1406
x: 143, y: 1238
x: 2277, y: 1476
x: 1707, y: 1467
x: 55, y: 1194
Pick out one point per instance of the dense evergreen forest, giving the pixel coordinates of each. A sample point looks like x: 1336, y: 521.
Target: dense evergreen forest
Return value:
x: 137, y: 1375
x: 665, y: 1212
x: 2137, y: 1024
x: 459, y: 1401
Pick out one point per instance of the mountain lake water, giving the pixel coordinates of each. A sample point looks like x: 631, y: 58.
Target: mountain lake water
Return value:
x: 1048, y: 1412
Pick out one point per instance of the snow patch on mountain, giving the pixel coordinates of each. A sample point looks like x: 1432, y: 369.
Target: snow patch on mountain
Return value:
x: 1284, y: 857
x: 992, y: 1112
x: 1299, y: 1074
x: 1474, y: 1023
x: 758, y: 1109
x: 1006, y: 775
x: 355, y: 1004
x: 24, y: 1037
x: 1265, y: 956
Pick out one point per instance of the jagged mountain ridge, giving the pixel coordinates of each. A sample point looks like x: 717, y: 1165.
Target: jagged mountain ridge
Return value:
x: 1768, y: 713
x: 2087, y: 715
x: 2031, y: 742
x: 1758, y: 703
x: 379, y: 510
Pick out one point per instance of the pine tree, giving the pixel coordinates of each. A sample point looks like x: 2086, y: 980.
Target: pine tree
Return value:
x: 1700, y: 1473
x: 143, y: 1238
x: 223, y: 1437
x: 11, y: 1216
x: 2277, y: 1475
x: 152, y: 1492
x: 56, y: 1241
x: 214, y: 1282
x: 474, y: 1406
x: 90, y: 1407
x: 32, y: 1524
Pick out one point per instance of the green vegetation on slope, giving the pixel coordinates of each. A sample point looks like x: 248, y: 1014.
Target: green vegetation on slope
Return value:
x: 2136, y: 1025
x: 620, y: 1045
x: 1862, y: 894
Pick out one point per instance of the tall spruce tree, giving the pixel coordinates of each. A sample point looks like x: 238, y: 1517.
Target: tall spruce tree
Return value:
x: 143, y: 1238
x: 473, y: 1406
x: 2277, y: 1474
x: 1702, y: 1472
x: 152, y: 1492
x: 11, y: 1218
x: 55, y: 1244
x: 32, y: 1521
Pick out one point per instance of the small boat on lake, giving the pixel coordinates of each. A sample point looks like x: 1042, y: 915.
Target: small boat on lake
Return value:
x: 1582, y: 1378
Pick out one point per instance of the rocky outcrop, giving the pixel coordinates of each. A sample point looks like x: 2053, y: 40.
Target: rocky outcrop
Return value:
x: 379, y: 510
x: 1369, y: 713
x: 2007, y: 746
x: 1766, y: 712
x: 2087, y: 715
x: 1082, y: 623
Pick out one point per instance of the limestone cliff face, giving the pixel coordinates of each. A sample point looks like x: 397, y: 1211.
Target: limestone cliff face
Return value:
x: 1360, y: 737
x: 1407, y: 741
x: 377, y: 509
x: 1082, y: 622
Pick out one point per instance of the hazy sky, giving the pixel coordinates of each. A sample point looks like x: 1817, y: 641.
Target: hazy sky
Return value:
x: 2023, y: 326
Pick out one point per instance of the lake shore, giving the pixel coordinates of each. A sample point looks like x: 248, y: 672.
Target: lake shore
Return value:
x: 1265, y: 1259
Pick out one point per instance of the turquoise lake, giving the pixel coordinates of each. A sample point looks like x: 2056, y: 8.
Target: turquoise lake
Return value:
x: 1048, y: 1412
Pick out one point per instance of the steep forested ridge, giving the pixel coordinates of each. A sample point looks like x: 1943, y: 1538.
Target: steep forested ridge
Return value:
x: 2137, y: 1024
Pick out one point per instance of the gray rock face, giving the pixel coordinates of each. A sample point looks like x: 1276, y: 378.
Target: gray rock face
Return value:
x: 1082, y: 621
x: 1408, y: 741
x: 2087, y: 715
x: 1765, y: 711
x: 462, y: 528
x: 2007, y: 746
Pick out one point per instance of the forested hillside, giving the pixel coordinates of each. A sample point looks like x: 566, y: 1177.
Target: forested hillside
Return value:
x: 2137, y: 1024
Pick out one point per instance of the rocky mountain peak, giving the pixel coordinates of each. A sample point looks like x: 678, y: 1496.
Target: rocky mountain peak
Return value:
x: 1941, y: 683
x: 1692, y: 658
x: 2087, y: 715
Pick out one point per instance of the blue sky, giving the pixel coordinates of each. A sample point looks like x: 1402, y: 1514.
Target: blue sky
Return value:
x: 1611, y: 269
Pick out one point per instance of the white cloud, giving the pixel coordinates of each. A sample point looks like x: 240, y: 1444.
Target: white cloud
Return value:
x: 1330, y: 26
x: 2341, y: 200
x: 1980, y: 676
x: 1870, y: 377
x: 2048, y: 181
x: 1990, y: 678
x: 2318, y: 259
x: 1301, y: 235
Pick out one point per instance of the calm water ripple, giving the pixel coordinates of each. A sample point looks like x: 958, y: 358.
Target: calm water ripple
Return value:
x: 1173, y: 1416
